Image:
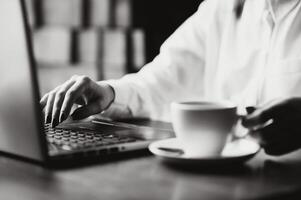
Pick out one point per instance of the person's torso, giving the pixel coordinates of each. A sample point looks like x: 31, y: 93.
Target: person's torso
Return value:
x: 257, y: 57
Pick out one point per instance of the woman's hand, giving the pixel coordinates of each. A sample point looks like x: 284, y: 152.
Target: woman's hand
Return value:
x: 277, y: 126
x: 94, y: 98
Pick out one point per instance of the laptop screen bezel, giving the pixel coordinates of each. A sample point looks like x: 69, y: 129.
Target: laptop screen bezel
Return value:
x: 34, y: 82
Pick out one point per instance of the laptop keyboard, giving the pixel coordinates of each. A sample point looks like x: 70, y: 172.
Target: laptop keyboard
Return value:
x: 66, y: 139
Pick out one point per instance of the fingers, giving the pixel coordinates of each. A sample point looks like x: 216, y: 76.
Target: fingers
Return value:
x: 269, y: 134
x: 98, y: 105
x: 276, y: 126
x: 74, y: 92
x: 59, y: 98
x: 282, y: 147
x: 88, y: 110
x: 43, y: 101
x: 277, y: 139
x: 78, y: 90
x: 49, y: 106
x: 265, y: 113
x: 58, y: 102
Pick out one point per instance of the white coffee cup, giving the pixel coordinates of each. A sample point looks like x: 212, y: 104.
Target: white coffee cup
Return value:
x: 203, y: 127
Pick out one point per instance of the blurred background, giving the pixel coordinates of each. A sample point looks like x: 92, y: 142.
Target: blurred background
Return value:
x: 102, y: 39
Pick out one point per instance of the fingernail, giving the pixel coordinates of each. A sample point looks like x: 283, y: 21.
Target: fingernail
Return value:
x: 62, y: 117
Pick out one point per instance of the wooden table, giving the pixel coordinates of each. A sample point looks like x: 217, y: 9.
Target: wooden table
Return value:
x: 143, y: 176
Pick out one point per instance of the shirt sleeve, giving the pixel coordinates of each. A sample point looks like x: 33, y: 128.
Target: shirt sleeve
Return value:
x: 176, y: 74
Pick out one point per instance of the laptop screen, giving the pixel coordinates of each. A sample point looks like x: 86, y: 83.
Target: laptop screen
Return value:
x: 19, y: 124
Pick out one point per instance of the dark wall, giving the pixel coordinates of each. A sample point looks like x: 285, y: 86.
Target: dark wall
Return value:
x: 160, y: 18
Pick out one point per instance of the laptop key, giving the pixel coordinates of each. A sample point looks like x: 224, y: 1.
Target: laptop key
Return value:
x: 73, y: 134
x: 57, y: 137
x: 74, y: 137
x: 89, y: 137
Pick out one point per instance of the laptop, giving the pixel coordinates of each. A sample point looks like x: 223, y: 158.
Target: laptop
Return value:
x: 23, y: 133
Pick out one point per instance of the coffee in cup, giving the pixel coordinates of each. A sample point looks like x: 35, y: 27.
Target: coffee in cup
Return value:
x: 203, y: 127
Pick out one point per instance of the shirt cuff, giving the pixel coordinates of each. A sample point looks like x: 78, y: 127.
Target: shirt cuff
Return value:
x: 120, y: 106
x: 121, y: 91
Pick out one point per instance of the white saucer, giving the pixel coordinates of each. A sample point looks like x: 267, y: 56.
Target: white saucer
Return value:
x: 235, y: 152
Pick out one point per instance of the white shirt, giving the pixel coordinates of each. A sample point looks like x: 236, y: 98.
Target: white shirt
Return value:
x: 215, y: 56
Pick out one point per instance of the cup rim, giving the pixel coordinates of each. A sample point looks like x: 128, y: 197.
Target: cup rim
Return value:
x: 199, y: 105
